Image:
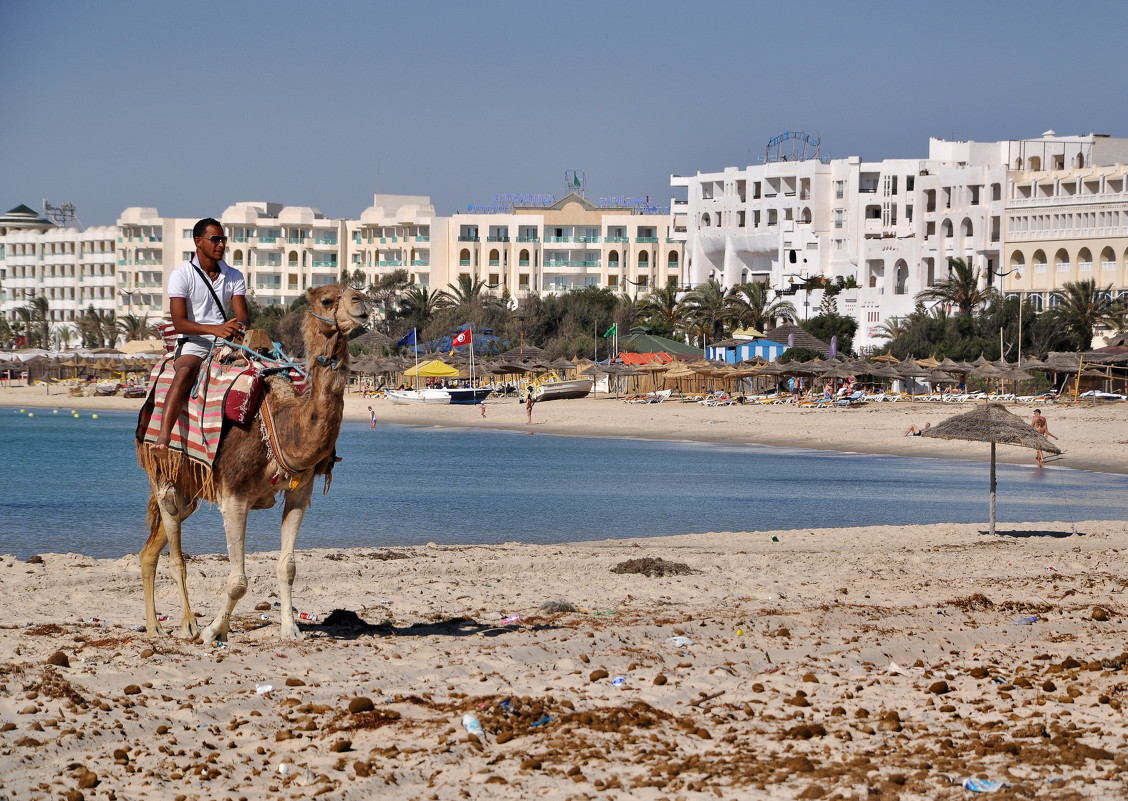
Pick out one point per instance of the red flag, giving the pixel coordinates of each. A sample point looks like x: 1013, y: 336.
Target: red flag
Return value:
x: 463, y: 338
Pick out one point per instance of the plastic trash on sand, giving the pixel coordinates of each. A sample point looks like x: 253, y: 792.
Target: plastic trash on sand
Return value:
x: 473, y: 726
x: 983, y: 785
x: 619, y: 681
x: 263, y: 689
x: 511, y: 620
x: 679, y: 642
x: 1026, y: 620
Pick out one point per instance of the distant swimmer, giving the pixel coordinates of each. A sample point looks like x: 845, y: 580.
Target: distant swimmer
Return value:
x: 913, y: 431
x: 1043, y: 428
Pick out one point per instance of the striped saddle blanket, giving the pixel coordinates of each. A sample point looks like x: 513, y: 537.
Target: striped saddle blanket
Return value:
x: 197, y: 432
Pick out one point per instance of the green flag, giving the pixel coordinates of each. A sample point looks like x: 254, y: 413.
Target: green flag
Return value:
x: 611, y: 331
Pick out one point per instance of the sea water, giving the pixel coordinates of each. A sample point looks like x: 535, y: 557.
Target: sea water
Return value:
x: 73, y: 485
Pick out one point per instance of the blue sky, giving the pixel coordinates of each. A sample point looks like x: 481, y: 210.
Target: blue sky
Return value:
x: 191, y: 107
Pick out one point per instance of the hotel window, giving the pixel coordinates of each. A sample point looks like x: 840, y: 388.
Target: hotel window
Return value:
x: 839, y: 189
x: 838, y: 218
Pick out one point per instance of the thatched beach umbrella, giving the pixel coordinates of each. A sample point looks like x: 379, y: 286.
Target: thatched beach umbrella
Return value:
x: 992, y: 423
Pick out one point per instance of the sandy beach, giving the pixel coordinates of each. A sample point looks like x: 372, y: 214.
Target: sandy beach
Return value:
x: 1092, y: 436
x: 889, y: 662
x: 878, y: 662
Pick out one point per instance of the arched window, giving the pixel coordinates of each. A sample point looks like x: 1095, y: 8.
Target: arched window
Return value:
x: 902, y: 273
x: 946, y: 229
x: 1108, y: 260
x: 293, y: 258
x: 705, y: 220
x: 1039, y: 261
x: 495, y: 258
x: 644, y: 260
x: 464, y: 257
x: 1017, y: 260
x: 1061, y: 261
x: 237, y: 258
x: 1055, y: 300
x: 1079, y: 161
x: 672, y: 260
x: 1085, y: 260
x: 805, y: 216
x: 966, y: 228
x: 613, y: 260
x: 523, y: 258
x: 1036, y: 302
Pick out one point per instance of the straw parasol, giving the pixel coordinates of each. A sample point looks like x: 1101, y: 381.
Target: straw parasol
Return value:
x: 992, y: 423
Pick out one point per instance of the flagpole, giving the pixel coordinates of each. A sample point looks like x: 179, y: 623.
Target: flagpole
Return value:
x: 415, y: 347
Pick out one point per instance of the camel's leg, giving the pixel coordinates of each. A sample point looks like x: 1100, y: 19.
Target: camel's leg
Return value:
x: 234, y: 511
x: 150, y: 555
x: 174, y: 510
x: 297, y: 501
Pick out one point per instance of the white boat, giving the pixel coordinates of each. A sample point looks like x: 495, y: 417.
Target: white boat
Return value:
x: 557, y: 390
x: 408, y: 397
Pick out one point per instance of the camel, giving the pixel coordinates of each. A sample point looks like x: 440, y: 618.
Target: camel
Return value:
x: 250, y: 469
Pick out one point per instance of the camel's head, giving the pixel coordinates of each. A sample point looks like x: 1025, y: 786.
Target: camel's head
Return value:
x: 334, y: 305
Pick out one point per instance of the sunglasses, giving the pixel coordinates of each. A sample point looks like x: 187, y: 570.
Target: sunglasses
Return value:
x: 215, y: 240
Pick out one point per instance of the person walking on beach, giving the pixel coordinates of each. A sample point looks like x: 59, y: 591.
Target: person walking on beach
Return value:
x: 529, y: 401
x: 199, y: 291
x: 1043, y: 428
x: 372, y: 417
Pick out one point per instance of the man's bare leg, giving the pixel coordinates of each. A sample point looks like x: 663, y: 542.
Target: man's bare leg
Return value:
x: 187, y: 367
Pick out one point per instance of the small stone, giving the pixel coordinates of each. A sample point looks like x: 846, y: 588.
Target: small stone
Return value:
x: 1100, y: 613
x: 341, y: 746
x: 596, y: 675
x: 939, y: 688
x: 262, y: 607
x: 660, y: 679
x: 87, y: 779
x: 361, y: 704
x: 58, y: 659
x: 131, y: 689
x: 810, y: 678
x: 148, y: 652
x: 295, y: 682
x: 1049, y: 686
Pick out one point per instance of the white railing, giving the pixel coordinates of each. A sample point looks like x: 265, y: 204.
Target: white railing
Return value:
x: 1085, y: 266
x: 1065, y: 200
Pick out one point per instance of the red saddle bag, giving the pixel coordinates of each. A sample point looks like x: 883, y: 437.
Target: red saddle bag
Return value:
x: 244, y: 395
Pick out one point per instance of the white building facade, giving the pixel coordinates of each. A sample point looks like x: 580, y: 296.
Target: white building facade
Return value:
x: 889, y: 225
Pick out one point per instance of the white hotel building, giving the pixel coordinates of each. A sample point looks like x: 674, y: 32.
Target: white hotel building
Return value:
x: 284, y: 250
x: 893, y: 224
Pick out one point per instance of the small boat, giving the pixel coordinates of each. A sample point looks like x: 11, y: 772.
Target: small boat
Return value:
x: 409, y: 397
x: 558, y: 390
x: 469, y: 395
x: 135, y: 391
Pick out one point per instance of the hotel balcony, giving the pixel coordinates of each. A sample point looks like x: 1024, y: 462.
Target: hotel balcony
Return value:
x: 646, y: 240
x: 617, y: 239
x: 467, y: 238
x: 497, y: 238
x: 528, y: 239
x: 557, y: 239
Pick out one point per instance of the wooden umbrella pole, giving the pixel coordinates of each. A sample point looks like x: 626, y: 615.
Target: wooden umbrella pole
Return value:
x: 992, y: 528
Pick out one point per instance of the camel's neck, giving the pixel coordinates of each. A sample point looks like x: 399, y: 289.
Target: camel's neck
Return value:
x: 308, y: 430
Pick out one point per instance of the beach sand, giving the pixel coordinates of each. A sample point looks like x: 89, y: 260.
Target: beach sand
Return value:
x: 888, y: 662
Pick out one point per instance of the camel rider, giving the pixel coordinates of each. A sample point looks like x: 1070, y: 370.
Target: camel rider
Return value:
x: 199, y: 292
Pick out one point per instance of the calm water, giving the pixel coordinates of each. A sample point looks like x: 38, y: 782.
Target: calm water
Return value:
x: 71, y: 484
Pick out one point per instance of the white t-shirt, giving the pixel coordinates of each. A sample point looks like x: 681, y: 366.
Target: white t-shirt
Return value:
x: 186, y: 282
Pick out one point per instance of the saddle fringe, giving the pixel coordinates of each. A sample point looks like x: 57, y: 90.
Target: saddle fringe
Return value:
x: 194, y: 480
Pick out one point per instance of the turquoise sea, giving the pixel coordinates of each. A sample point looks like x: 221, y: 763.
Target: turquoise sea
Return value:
x: 71, y: 484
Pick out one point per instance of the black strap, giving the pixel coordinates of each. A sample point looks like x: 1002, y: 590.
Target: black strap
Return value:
x: 211, y: 289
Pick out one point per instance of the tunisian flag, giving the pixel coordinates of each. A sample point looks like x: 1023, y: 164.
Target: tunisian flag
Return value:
x: 462, y: 338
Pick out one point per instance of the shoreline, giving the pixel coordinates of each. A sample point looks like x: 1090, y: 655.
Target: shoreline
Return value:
x: 1093, y: 436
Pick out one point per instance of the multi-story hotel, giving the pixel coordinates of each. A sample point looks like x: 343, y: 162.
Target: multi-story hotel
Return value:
x: 284, y: 250
x: 891, y: 225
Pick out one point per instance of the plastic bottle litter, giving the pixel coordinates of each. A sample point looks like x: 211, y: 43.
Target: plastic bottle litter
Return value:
x: 263, y: 689
x: 619, y: 681
x: 1026, y: 620
x: 285, y: 769
x: 473, y: 726
x: 679, y: 642
x: 983, y: 785
x: 540, y: 722
x: 509, y: 621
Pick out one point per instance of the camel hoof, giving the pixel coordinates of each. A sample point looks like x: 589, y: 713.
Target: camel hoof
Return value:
x: 155, y: 630
x: 291, y: 633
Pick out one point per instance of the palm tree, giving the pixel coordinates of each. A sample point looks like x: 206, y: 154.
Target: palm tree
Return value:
x: 662, y: 309
x: 960, y: 289
x: 470, y: 288
x: 133, y: 327
x: 419, y: 304
x: 707, y: 308
x: 751, y: 306
x: 108, y: 325
x: 38, y: 314
x: 1084, y: 307
x: 894, y: 328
